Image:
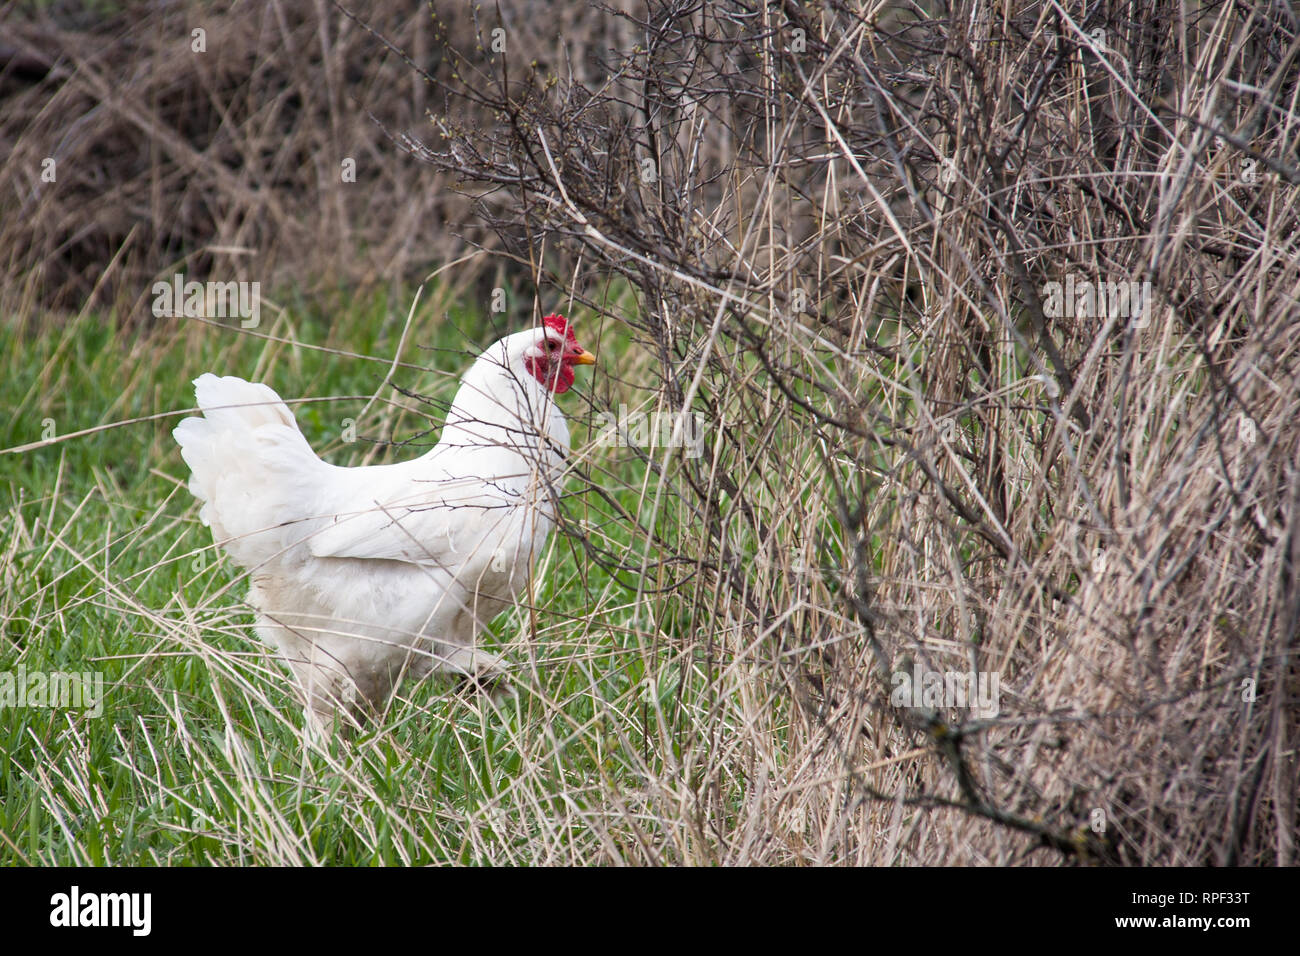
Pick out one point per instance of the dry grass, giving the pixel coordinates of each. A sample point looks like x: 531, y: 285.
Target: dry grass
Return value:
x: 842, y: 221
x: 228, y: 162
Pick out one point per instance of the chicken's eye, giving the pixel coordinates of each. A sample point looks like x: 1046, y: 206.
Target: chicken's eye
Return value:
x: 550, y: 345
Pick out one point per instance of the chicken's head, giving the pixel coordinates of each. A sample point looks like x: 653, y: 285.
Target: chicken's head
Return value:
x: 552, y: 358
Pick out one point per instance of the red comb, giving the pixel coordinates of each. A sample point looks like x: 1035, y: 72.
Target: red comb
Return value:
x: 560, y: 324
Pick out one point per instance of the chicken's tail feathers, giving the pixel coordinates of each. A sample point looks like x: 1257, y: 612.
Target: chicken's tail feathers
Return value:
x: 230, y: 402
x: 250, y: 466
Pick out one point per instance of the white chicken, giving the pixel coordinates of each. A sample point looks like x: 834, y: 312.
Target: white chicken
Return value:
x: 361, y: 576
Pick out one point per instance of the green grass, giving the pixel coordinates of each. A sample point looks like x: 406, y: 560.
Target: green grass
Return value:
x: 199, y: 756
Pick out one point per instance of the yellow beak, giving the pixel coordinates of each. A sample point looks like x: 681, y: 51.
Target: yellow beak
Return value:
x: 584, y: 358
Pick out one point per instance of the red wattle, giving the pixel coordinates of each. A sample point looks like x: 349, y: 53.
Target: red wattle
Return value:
x: 542, y: 370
